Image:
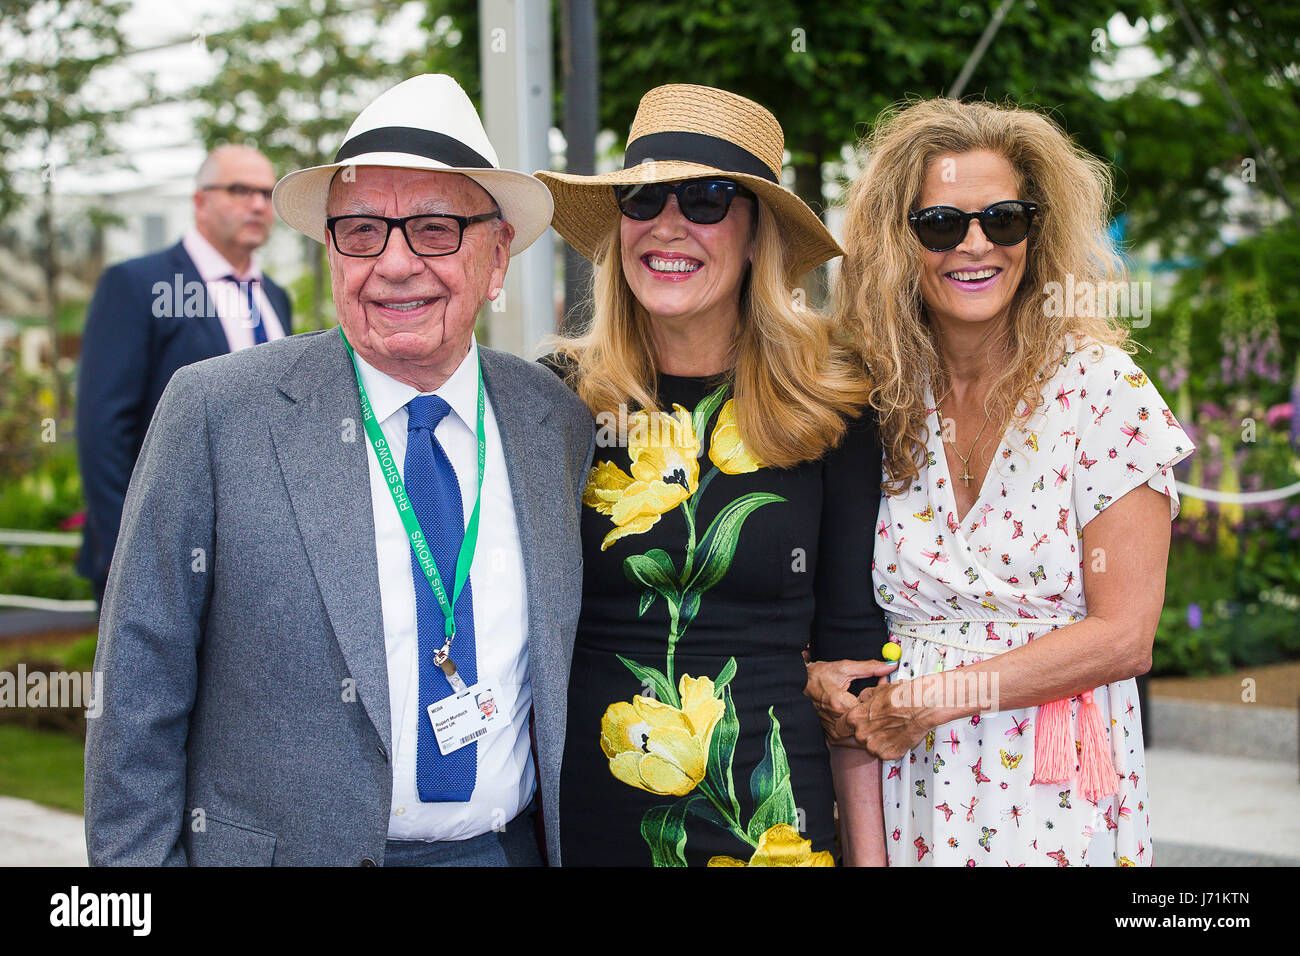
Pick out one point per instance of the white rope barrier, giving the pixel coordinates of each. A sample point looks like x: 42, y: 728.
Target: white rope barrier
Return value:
x: 1238, y: 497
x: 57, y: 539
x: 46, y: 604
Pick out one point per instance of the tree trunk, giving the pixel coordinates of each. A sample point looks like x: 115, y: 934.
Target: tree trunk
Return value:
x: 808, y: 187
x: 50, y: 266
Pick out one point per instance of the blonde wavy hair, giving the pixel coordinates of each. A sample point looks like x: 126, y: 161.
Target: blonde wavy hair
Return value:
x: 793, y: 383
x: 878, y: 298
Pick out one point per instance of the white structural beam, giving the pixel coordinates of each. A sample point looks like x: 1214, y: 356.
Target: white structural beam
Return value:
x: 515, y: 53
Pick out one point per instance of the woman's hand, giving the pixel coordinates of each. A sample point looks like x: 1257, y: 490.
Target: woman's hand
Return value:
x: 828, y: 688
x: 883, y: 723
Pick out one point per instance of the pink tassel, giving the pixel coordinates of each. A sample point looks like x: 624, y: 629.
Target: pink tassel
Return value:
x: 1053, y: 743
x: 1096, y: 771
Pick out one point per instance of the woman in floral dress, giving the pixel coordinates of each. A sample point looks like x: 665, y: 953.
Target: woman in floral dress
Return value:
x: 1024, y: 528
x: 724, y: 521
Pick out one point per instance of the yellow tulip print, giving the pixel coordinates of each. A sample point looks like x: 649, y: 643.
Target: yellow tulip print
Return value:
x: 726, y: 449
x: 665, y: 466
x: 681, y: 741
x: 658, y: 747
x: 780, y: 845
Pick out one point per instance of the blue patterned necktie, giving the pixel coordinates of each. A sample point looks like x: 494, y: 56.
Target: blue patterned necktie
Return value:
x: 254, y: 313
x: 434, y: 491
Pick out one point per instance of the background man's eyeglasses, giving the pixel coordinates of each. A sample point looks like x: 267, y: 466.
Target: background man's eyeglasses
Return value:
x: 365, y: 237
x: 702, y: 201
x: 941, y: 228
x: 240, y: 191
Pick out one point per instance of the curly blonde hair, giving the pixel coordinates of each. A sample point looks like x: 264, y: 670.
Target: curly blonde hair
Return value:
x: 793, y: 383
x: 878, y: 298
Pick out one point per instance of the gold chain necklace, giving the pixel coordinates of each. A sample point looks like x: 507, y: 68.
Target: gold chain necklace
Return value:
x: 966, y: 476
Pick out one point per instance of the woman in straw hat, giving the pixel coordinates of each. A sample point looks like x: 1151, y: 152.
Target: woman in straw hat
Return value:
x: 724, y: 524
x: 1025, y: 523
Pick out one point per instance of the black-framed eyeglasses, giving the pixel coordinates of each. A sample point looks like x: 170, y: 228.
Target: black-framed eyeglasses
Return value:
x: 365, y: 237
x: 241, y: 190
x: 702, y: 201
x: 941, y: 228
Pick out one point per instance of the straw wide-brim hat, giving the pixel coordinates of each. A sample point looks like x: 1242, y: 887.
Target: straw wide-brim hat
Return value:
x: 682, y: 131
x: 426, y: 122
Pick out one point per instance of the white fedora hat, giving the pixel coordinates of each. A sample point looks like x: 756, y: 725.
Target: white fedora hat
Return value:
x: 426, y: 122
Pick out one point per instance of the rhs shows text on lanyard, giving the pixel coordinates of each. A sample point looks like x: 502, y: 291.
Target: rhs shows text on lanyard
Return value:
x: 383, y: 453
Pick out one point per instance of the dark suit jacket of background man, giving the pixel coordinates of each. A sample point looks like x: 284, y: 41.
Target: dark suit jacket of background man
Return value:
x: 128, y: 354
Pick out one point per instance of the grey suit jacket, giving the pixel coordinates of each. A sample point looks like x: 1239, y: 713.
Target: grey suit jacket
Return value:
x: 245, y: 713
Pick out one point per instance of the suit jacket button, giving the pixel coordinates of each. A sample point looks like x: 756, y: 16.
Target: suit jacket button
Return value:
x: 368, y: 862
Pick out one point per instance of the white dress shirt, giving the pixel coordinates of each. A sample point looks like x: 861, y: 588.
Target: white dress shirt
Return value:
x: 506, y: 779
x: 231, y: 299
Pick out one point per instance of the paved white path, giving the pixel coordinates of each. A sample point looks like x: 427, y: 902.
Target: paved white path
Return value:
x: 1206, y: 809
x: 1239, y: 804
x: 32, y: 835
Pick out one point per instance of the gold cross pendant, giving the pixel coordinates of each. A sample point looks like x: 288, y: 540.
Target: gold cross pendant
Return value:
x: 966, y: 477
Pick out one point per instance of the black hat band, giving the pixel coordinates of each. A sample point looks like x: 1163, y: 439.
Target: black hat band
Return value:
x: 696, y: 148
x: 417, y: 142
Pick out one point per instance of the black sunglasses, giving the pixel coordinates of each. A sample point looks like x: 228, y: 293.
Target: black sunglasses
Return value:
x: 702, y: 201
x: 941, y: 228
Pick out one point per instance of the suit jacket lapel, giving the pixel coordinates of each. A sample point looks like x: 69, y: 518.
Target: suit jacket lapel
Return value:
x: 534, y: 455
x: 321, y: 447
x: 210, y: 320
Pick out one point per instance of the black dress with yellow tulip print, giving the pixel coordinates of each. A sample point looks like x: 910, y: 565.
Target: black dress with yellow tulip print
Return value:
x: 689, y: 739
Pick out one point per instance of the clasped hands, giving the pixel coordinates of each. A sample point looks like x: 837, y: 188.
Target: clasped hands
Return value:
x: 877, y: 720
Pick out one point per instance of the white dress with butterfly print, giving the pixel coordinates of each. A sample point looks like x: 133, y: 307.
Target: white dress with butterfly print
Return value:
x: 957, y: 592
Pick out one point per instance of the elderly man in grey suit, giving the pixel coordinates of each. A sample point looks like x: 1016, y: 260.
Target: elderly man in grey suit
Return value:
x: 339, y: 625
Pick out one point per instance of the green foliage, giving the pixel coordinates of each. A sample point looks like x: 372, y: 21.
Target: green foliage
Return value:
x: 42, y: 572
x: 39, y: 491
x: 290, y: 82
x: 53, y: 49
x: 45, y: 496
x: 42, y: 766
x: 1175, y: 135
x: 826, y: 68
x: 80, y: 656
x: 312, y: 298
x: 1230, y: 635
x: 26, y: 406
x: 1229, y: 302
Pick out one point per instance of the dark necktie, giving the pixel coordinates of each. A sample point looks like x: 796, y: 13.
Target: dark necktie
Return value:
x: 435, y: 497
x: 254, y: 313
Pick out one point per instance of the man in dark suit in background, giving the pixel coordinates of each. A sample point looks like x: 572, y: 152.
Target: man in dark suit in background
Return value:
x: 205, y: 296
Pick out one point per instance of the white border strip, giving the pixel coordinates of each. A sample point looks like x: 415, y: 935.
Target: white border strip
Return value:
x: 58, y: 539
x: 1239, y: 497
x: 45, y: 604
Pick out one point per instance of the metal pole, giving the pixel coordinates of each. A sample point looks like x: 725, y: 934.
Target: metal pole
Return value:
x: 515, y: 53
x: 581, y: 83
x: 977, y: 54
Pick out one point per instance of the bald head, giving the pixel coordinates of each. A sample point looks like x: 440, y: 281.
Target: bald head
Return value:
x: 224, y: 156
x: 232, y: 208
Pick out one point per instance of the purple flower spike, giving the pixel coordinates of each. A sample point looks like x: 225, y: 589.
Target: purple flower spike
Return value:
x: 1194, y: 616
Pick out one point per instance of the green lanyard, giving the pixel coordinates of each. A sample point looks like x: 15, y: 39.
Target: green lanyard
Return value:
x: 412, y: 525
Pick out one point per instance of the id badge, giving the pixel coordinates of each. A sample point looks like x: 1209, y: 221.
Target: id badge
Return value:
x: 461, y: 719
